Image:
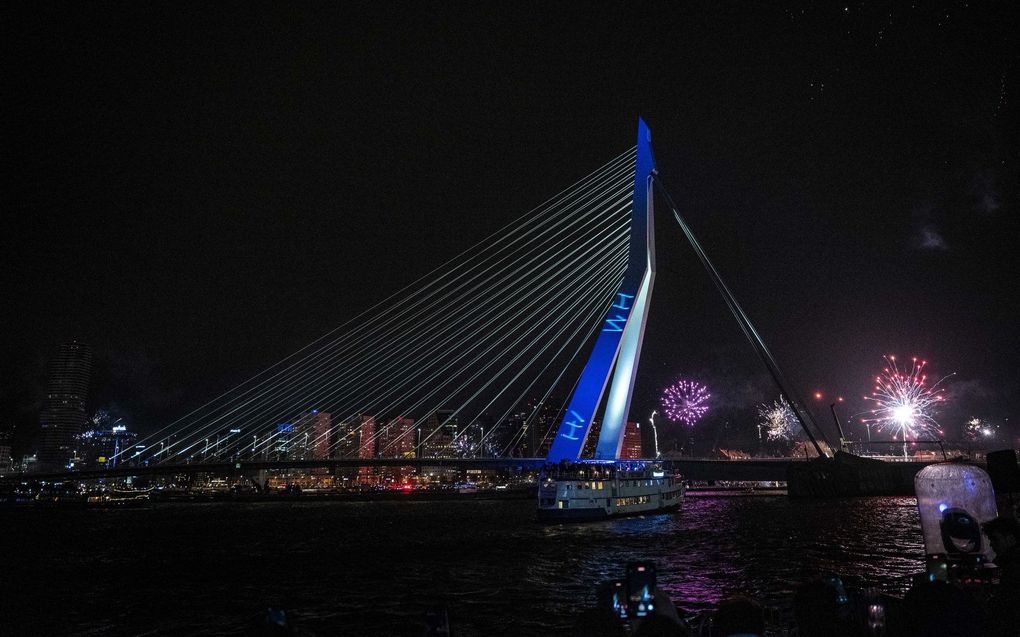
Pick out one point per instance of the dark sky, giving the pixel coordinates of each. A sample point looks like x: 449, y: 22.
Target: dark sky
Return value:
x: 198, y: 190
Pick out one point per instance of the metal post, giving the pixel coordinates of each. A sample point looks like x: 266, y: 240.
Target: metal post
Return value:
x: 839, y: 427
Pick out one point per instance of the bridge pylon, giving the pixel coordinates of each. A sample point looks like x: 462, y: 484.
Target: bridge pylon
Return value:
x: 617, y: 348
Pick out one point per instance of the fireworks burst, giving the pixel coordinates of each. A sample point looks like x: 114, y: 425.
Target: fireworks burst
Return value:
x: 685, y: 401
x: 905, y: 402
x: 777, y: 420
x: 470, y: 445
x: 975, y: 429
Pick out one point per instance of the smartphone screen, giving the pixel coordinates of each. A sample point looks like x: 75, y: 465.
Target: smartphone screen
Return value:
x: 619, y: 600
x: 613, y: 595
x: 938, y: 568
x: 640, y: 589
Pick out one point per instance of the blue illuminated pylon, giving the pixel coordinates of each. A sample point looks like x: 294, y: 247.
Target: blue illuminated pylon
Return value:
x: 618, y: 346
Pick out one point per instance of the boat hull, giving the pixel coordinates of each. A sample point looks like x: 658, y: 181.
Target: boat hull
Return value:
x: 848, y: 475
x: 591, y: 515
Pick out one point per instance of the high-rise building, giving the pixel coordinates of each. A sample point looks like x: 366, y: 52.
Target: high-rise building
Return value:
x: 396, y: 440
x: 6, y: 464
x: 280, y: 445
x: 311, y: 439
x: 322, y: 427
x: 631, y: 448
x: 366, y: 448
x: 107, y: 445
x: 440, y: 431
x: 63, y: 416
x: 588, y: 451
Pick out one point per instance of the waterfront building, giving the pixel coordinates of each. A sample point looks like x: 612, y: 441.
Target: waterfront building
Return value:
x: 516, y: 435
x: 63, y: 417
x: 311, y: 436
x: 366, y: 429
x: 588, y: 450
x: 396, y: 439
x: 322, y: 429
x: 227, y: 445
x: 632, y: 449
x: 440, y: 430
x: 6, y: 464
x: 106, y: 446
x: 366, y: 448
x: 279, y: 447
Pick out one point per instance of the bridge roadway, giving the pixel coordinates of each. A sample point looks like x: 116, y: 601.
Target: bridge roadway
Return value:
x: 702, y: 469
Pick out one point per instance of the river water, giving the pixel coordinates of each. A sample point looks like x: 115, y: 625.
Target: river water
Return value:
x: 370, y: 568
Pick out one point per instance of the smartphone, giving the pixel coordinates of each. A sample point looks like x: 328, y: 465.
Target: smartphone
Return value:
x: 613, y: 595
x: 640, y: 589
x: 938, y: 568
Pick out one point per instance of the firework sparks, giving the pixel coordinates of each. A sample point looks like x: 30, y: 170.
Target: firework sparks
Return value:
x: 905, y: 401
x: 685, y: 401
x: 975, y: 429
x: 777, y: 420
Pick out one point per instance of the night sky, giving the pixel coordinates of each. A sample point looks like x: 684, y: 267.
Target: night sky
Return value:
x: 199, y: 190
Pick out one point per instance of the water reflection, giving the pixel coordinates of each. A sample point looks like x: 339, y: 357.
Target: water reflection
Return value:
x: 372, y: 567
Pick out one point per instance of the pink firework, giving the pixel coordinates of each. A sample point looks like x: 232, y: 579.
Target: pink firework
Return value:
x: 905, y: 401
x: 685, y: 401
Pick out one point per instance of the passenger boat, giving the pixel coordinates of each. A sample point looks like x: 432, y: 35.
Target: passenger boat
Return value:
x: 599, y: 490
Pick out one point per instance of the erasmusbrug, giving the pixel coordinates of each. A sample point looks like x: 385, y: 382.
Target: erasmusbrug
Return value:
x: 521, y: 345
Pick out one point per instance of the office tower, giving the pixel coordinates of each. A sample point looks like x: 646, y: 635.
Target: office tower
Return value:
x: 63, y: 417
x: 108, y: 447
x: 396, y: 440
x: 6, y: 464
x: 311, y: 440
x: 366, y: 447
x: 631, y: 448
x: 440, y: 431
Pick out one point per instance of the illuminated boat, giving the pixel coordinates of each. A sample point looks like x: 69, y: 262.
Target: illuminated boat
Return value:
x: 595, y: 491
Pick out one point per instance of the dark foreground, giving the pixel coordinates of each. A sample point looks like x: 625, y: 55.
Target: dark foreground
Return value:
x: 370, y: 568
